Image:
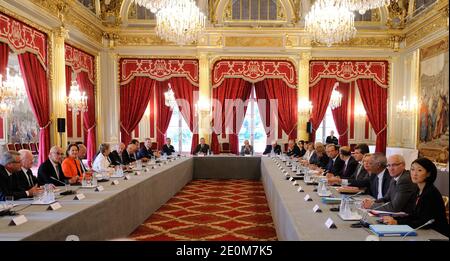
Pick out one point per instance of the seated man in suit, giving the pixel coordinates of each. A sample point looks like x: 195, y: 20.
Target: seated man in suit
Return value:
x: 378, y: 182
x: 116, y: 155
x: 359, y: 172
x: 246, y: 149
x: 350, y: 163
x: 50, y: 171
x: 332, y: 139
x: 25, y: 178
x: 202, y: 147
x: 82, y: 151
x: 402, y: 191
x: 168, y: 148
x: 335, y: 164
x: 10, y: 165
x: 146, y: 152
x: 128, y: 154
x: 293, y: 150
x: 273, y: 148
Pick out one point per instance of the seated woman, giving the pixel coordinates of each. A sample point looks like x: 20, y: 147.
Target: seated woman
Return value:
x: 102, y: 162
x: 71, y: 165
x: 246, y: 149
x: 429, y: 203
x: 319, y: 158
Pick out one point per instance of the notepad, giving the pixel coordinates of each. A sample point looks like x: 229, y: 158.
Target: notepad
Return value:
x: 392, y: 230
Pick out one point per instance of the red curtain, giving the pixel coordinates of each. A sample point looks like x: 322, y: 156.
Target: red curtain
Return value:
x: 184, y: 93
x: 374, y: 99
x: 340, y: 114
x: 230, y: 89
x: 319, y: 95
x: 89, y: 115
x: 4, y: 54
x: 35, y: 79
x: 69, y: 113
x: 164, y: 113
x: 287, y: 104
x: 134, y: 98
x: 264, y: 109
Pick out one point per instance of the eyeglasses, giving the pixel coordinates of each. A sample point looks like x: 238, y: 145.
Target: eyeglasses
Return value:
x: 393, y: 165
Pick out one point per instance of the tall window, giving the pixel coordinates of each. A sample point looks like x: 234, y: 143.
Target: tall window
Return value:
x: 326, y: 126
x: 179, y: 132
x: 253, y: 129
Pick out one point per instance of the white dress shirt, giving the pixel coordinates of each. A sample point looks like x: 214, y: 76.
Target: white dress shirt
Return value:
x: 101, y: 163
x: 380, y: 185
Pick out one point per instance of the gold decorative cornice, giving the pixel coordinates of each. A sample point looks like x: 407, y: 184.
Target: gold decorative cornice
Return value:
x: 61, y: 32
x: 141, y: 40
x: 362, y: 42
x: 427, y: 29
x: 433, y: 49
x: 239, y: 58
x: 233, y: 41
x: 84, y: 27
x: 46, y: 30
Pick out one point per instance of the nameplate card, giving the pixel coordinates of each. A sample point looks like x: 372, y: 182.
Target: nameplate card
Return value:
x: 316, y: 209
x: 291, y: 179
x: 127, y: 177
x: 79, y: 196
x: 294, y: 168
x: 330, y: 223
x: 154, y: 167
x: 99, y: 188
x: 307, y: 198
x: 137, y: 173
x: 300, y: 189
x: 298, y: 171
x: 295, y: 183
x: 17, y: 221
x: 115, y: 182
x: 54, y: 206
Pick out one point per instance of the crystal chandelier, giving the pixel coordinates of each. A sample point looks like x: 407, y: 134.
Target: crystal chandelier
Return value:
x: 152, y: 5
x: 170, y: 98
x: 77, y: 100
x: 12, y: 92
x: 304, y: 107
x: 330, y: 21
x: 363, y: 5
x: 336, y: 97
x: 180, y: 22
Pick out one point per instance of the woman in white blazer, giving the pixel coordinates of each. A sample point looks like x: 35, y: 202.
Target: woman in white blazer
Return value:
x: 102, y: 162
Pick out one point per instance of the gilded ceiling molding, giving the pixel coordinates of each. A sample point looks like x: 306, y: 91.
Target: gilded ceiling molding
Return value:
x: 362, y: 42
x: 142, y: 40
x: 433, y: 49
x: 215, y: 59
x: 428, y: 28
x: 237, y: 41
x: 46, y: 30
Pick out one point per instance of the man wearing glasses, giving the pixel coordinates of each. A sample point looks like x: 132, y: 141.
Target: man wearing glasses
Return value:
x: 401, y: 192
x: 50, y: 171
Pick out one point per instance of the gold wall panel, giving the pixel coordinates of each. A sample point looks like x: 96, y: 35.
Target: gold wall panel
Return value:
x: 362, y: 42
x: 426, y: 29
x: 253, y: 41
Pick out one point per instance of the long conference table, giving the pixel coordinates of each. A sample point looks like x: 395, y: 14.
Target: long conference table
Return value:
x: 119, y: 209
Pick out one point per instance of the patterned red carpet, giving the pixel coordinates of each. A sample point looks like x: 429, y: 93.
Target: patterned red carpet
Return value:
x: 226, y: 210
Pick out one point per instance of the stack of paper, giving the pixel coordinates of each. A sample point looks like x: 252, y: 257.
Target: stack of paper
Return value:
x: 392, y: 230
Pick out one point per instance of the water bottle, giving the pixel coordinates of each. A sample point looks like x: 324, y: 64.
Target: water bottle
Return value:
x: 139, y: 164
x: 322, y: 189
x: 344, y: 209
x: 307, y: 177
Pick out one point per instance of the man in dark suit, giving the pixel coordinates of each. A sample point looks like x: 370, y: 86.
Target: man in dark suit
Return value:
x: 274, y: 147
x: 293, y: 149
x: 202, y: 147
x: 402, y: 191
x: 10, y: 164
x: 128, y: 154
x: 146, y: 152
x: 168, y: 148
x: 116, y: 155
x: 359, y: 172
x: 25, y: 178
x: 379, y: 179
x: 331, y: 139
x: 350, y: 164
x: 51, y: 169
x: 335, y: 164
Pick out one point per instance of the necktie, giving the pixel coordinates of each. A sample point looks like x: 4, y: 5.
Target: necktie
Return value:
x: 29, y: 175
x: 358, y: 171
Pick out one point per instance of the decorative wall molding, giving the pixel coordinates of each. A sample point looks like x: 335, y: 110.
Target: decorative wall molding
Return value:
x: 237, y: 41
x: 80, y: 61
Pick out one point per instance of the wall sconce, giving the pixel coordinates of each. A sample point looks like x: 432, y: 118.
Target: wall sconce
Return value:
x: 360, y: 112
x: 202, y: 106
x: 304, y: 107
x: 406, y: 108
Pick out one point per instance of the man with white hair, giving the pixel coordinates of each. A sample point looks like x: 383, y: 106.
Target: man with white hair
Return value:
x: 116, y: 155
x: 25, y: 178
x: 50, y: 171
x: 274, y: 147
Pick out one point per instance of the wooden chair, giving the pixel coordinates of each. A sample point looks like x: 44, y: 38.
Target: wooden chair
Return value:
x: 352, y: 147
x: 11, y: 146
x: 141, y: 145
x: 445, y: 199
x: 26, y: 146
x: 34, y: 148
x: 286, y: 146
x: 225, y: 147
x: 17, y: 146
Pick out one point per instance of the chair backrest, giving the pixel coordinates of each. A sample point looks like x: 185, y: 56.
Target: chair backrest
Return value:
x: 25, y: 146
x: 286, y: 146
x: 225, y: 147
x: 141, y: 145
x: 445, y: 198
x: 11, y: 146
x: 154, y: 145
x: 352, y: 147
x: 17, y: 146
x: 33, y: 148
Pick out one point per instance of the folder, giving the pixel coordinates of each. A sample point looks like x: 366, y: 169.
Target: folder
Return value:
x: 392, y: 230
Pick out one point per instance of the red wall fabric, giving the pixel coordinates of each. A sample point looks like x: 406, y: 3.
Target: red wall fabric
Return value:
x: 352, y: 110
x: 340, y: 115
x: 35, y: 79
x: 319, y: 95
x: 69, y: 116
x: 4, y: 55
x: 164, y: 113
x: 134, y: 98
x: 88, y: 116
x: 374, y: 99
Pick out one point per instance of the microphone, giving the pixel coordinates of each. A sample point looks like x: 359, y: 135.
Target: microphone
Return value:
x: 429, y: 222
x: 59, y: 181
x: 363, y: 222
x: 359, y: 193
